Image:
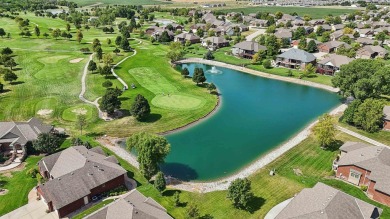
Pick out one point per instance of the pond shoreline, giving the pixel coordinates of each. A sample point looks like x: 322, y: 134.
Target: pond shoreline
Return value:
x: 259, y: 73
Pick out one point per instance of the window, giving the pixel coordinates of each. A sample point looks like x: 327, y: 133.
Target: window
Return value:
x: 355, y: 175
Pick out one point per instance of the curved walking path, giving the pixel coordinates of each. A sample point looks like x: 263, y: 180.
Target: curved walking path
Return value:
x: 259, y: 73
x: 361, y: 137
x: 84, y: 79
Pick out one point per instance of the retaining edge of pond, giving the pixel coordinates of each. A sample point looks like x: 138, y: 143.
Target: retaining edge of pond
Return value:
x: 258, y: 73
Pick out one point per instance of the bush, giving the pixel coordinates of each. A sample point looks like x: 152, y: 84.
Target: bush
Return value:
x: 33, y: 172
x: 267, y: 63
x: 364, y: 188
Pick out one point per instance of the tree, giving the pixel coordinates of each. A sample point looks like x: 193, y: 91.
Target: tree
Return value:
x: 68, y: 27
x: 185, y: 72
x: 175, y: 52
x: 46, y: 35
x: 140, y: 108
x: 325, y: 37
x: 198, y: 76
x: 309, y: 70
x: 176, y: 198
x: 79, y: 36
x: 56, y: 33
x: 28, y: 34
x: 107, y: 59
x: 363, y: 78
x: 92, y: 66
x: 350, y: 112
x: 99, y: 53
x: 267, y: 63
x: 118, y: 40
x: 6, y: 51
x: 159, y: 182
x: 320, y: 30
x: 211, y: 87
x: 312, y: 46
x: 46, y: 143
x: 369, y: 115
x: 110, y: 101
x: 10, y: 76
x: 116, y: 51
x: 96, y: 44
x: 125, y: 45
x: 108, y: 41
x: 193, y: 211
x: 381, y: 36
x: 164, y: 37
x: 106, y: 71
x: 325, y: 130
x: 272, y: 45
x: 1, y: 87
x: 255, y: 58
x: 209, y: 55
x: 302, y: 43
x: 151, y: 150
x: 2, y: 32
x: 239, y: 192
x: 37, y: 31
x: 107, y: 84
x: 81, y: 122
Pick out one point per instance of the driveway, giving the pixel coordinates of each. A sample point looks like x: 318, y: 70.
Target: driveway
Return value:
x: 33, y: 210
x: 255, y: 34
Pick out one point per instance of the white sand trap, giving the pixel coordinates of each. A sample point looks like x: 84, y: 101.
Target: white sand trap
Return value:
x: 44, y: 112
x: 76, y: 60
x: 80, y: 111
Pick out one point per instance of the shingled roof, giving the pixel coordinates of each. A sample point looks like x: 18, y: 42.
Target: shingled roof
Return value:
x: 132, y: 205
x: 323, y: 202
x: 297, y: 54
x: 250, y: 46
x: 22, y: 132
x: 335, y: 60
x: 372, y: 158
x: 76, y: 170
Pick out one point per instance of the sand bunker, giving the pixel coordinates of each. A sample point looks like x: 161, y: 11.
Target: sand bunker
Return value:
x: 44, y: 112
x: 80, y: 111
x: 76, y: 60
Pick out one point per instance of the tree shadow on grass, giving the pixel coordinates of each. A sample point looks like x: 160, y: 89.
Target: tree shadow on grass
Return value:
x: 153, y: 117
x: 95, y: 134
x: 16, y: 69
x: 5, y: 91
x: 3, y: 183
x: 110, y: 77
x: 334, y: 146
x: 17, y: 82
x: 170, y: 193
x: 123, y: 98
x: 255, y: 204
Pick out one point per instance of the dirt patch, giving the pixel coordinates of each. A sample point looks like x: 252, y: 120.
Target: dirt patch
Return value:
x: 80, y: 111
x: 7, y: 174
x: 44, y: 112
x: 76, y: 60
x: 3, y: 191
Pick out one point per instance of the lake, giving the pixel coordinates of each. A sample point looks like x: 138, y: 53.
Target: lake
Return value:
x: 257, y: 114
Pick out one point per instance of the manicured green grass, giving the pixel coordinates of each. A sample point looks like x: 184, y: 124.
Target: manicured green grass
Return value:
x: 149, y: 78
x: 71, y: 113
x: 93, y: 209
x: 18, y: 186
x: 381, y: 136
x: 177, y: 101
x: 315, y: 13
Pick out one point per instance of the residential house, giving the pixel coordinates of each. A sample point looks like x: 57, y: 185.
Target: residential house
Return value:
x: 298, y: 22
x: 315, y: 22
x: 336, y: 35
x: 365, y: 165
x: 195, y: 27
x: 308, y: 29
x: 75, y: 176
x: 332, y: 63
x: 295, y: 58
x: 295, y: 43
x: 214, y: 43
x: 386, y: 118
x: 247, y: 49
x: 370, y: 52
x: 283, y: 34
x: 132, y: 205
x: 337, y: 27
x: 184, y: 37
x: 259, y: 23
x: 325, y: 202
x: 325, y: 27
x: 15, y: 136
x: 176, y: 27
x: 332, y: 46
x: 366, y: 32
x: 364, y: 41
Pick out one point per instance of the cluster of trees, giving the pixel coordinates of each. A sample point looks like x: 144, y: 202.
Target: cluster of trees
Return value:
x: 110, y: 100
x: 47, y: 143
x: 176, y: 51
x: 7, y: 60
x: 198, y: 76
x: 123, y: 43
x: 151, y: 150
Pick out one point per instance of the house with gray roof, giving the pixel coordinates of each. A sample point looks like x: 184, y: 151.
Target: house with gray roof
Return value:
x: 332, y: 46
x: 324, y: 202
x: 247, y: 49
x: 295, y: 58
x: 362, y: 164
x: 75, y: 175
x: 184, y: 37
x: 386, y: 118
x: 332, y: 63
x: 132, y: 205
x: 371, y: 52
x: 14, y: 136
x: 214, y: 43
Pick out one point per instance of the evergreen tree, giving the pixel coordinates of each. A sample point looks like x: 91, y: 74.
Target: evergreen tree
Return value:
x: 140, y: 108
x: 198, y: 76
x: 185, y: 72
x: 159, y: 182
x: 239, y: 192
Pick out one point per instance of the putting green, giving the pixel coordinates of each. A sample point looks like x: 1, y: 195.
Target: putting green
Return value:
x: 52, y: 59
x: 177, y: 101
x: 150, y: 79
x: 71, y: 113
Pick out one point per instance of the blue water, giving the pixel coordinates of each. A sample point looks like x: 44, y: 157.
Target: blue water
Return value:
x: 257, y: 114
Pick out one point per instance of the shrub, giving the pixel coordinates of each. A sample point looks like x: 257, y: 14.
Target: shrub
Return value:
x: 33, y: 172
x: 267, y: 63
x: 364, y: 188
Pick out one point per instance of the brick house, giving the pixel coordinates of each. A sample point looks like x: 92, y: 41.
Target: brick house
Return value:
x: 386, y: 118
x: 332, y: 46
x: 184, y: 37
x: 365, y: 165
x: 246, y: 49
x: 371, y: 52
x: 332, y: 63
x: 75, y: 175
x: 214, y: 43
